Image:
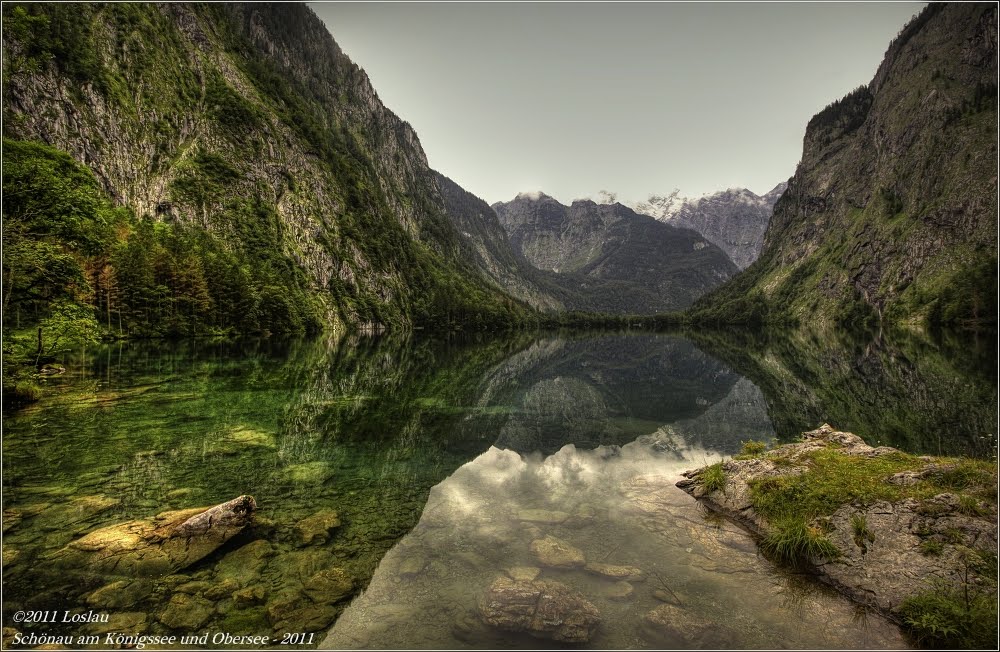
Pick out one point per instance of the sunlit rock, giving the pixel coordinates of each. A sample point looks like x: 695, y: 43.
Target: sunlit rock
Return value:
x: 169, y: 542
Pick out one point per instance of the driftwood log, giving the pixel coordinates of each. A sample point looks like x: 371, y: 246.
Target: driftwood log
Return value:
x: 164, y: 544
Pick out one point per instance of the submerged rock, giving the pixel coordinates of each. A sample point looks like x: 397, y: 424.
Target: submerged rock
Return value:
x: 554, y: 552
x: 681, y: 628
x: 167, y: 543
x: 186, y: 612
x: 328, y: 586
x: 244, y: 564
x: 542, y: 608
x: 614, y: 572
x: 121, y: 594
x: 316, y: 528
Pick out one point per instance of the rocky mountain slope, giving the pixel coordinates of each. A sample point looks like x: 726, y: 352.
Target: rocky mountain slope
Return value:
x: 606, y: 258
x: 733, y: 219
x: 485, y: 243
x: 892, y: 212
x: 245, y: 127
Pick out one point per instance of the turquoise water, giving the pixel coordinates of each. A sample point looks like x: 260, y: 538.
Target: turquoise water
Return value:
x: 386, y: 432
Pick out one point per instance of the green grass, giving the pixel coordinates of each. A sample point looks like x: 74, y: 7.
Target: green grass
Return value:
x: 752, y: 448
x: 833, y: 480
x: 794, y: 541
x: 862, y: 535
x: 713, y: 477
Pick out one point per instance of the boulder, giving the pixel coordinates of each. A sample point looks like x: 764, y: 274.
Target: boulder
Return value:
x: 159, y: 546
x: 541, y: 608
x: 554, y: 552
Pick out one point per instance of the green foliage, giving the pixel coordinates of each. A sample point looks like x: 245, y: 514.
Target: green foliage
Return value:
x: 68, y: 326
x: 950, y: 617
x: 844, y: 115
x: 753, y: 448
x: 968, y: 297
x: 931, y: 547
x: 713, y: 478
x: 793, y: 541
x: 969, y: 506
x: 238, y: 118
x: 56, y: 34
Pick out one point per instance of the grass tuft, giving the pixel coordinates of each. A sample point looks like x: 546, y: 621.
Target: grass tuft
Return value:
x: 713, y: 477
x: 862, y: 535
x: 794, y: 541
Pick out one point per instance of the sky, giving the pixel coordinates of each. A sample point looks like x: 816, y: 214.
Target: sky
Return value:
x: 639, y: 98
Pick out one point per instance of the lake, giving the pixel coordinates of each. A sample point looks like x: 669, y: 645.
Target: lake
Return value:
x: 444, y: 461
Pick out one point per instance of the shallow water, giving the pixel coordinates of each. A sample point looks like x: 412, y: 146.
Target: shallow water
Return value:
x: 619, y: 507
x: 366, y: 428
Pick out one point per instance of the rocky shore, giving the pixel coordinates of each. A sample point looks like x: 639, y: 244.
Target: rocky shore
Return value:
x: 884, y: 528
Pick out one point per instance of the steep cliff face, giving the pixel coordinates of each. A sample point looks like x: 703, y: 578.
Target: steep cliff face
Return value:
x: 892, y: 212
x: 247, y: 121
x: 611, y: 258
x: 485, y: 243
x: 734, y: 220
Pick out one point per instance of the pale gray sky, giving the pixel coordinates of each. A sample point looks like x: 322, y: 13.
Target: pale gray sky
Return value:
x: 639, y: 98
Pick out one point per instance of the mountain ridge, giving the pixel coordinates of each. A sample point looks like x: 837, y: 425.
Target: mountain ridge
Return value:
x: 891, y: 213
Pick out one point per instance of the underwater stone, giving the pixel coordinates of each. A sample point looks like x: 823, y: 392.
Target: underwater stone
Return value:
x: 614, y: 572
x: 544, y: 516
x: 328, y: 586
x: 186, y: 613
x: 316, y: 528
x: 552, y: 551
x: 248, y: 596
x: 542, y: 608
x: 120, y: 595
x: 523, y: 573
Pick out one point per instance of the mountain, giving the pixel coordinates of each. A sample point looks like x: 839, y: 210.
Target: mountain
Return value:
x: 606, y: 258
x: 733, y: 219
x: 892, y: 212
x: 234, y: 171
x: 485, y: 243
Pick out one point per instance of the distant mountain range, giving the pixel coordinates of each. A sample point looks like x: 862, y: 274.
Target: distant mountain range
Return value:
x: 733, y: 219
x: 607, y: 258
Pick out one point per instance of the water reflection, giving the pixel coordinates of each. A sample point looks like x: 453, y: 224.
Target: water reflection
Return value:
x: 922, y: 394
x: 610, y: 389
x: 364, y: 428
x: 613, y: 507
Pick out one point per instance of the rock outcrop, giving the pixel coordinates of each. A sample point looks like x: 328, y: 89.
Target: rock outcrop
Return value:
x: 167, y: 543
x: 884, y: 546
